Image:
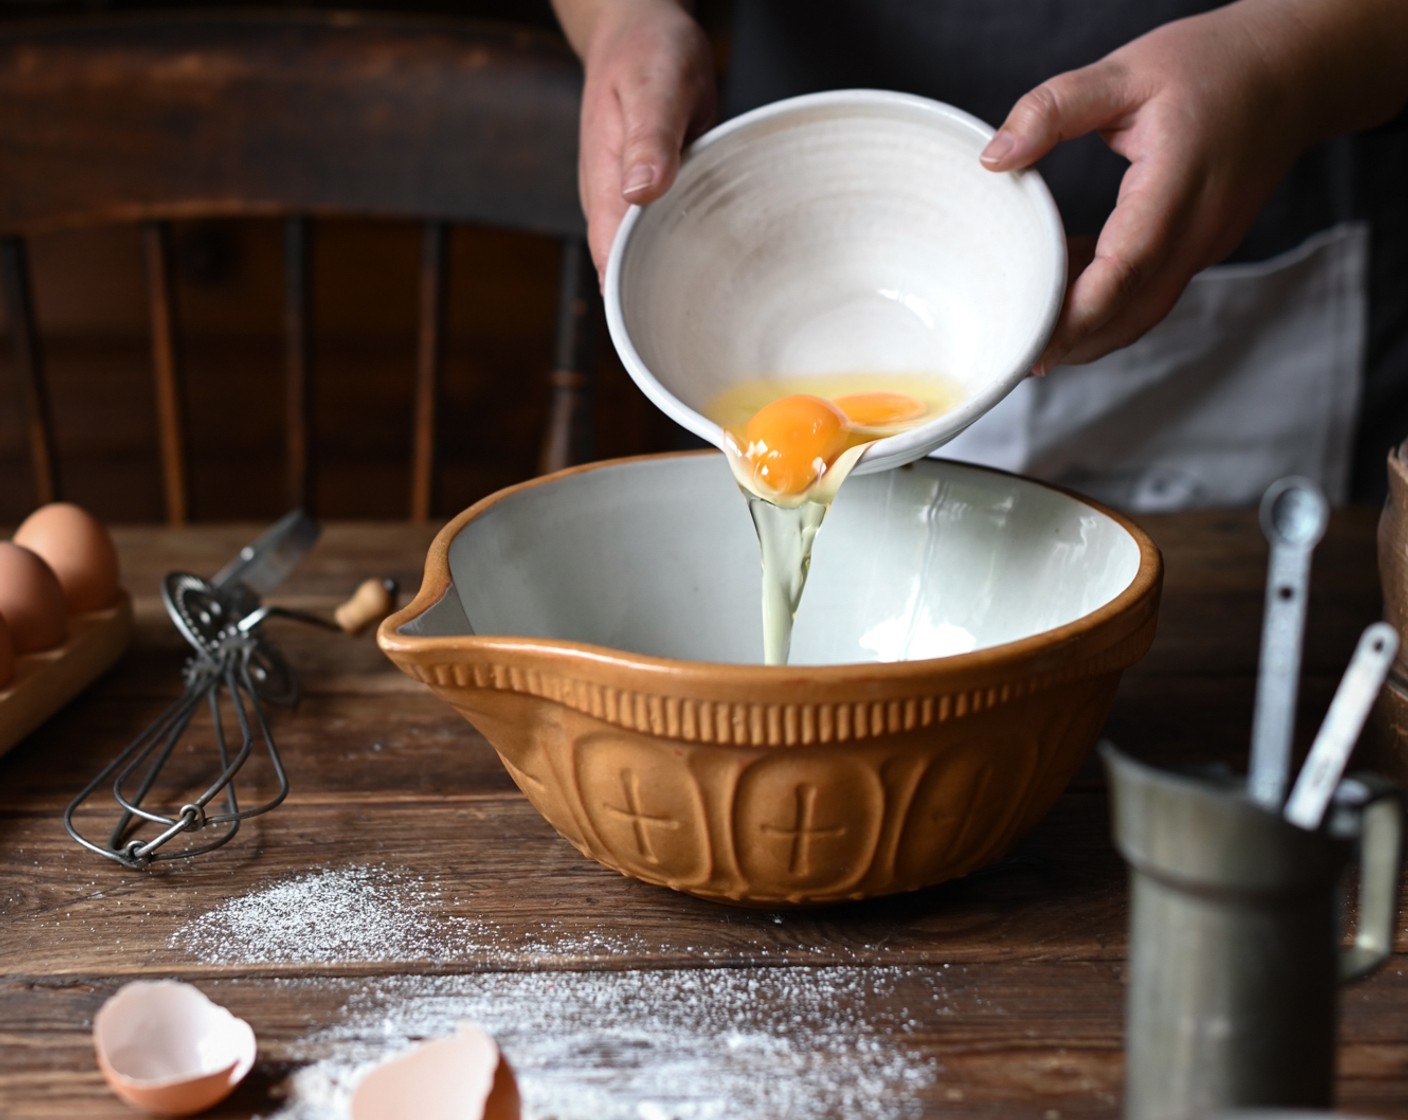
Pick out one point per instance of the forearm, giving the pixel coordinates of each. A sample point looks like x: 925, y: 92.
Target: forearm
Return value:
x: 1211, y: 111
x: 648, y: 87
x: 581, y: 19
x: 1342, y: 64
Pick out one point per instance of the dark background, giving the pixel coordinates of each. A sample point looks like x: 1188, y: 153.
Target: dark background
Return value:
x: 92, y: 312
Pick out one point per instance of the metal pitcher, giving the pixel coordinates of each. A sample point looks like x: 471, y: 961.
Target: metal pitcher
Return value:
x: 1235, y: 943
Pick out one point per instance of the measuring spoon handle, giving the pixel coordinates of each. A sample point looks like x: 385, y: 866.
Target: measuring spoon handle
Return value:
x: 1338, y: 734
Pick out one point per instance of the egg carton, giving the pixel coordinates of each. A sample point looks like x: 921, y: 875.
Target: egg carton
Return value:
x: 46, y: 680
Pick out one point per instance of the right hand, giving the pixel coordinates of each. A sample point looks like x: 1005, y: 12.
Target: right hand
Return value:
x: 649, y: 89
x: 1211, y: 111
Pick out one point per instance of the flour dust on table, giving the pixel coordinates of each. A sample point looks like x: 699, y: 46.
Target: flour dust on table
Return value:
x: 691, y: 1044
x: 638, y: 1044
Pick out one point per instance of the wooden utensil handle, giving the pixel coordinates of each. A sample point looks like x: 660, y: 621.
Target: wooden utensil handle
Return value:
x: 371, y: 602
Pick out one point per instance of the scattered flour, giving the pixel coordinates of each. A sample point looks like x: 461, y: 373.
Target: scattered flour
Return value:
x: 635, y: 1044
x: 325, y: 917
x: 363, y: 914
x: 693, y: 1044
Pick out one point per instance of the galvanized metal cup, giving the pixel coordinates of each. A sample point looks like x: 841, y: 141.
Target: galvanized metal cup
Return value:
x: 1235, y: 943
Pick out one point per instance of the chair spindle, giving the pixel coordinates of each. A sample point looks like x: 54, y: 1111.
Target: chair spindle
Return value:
x: 430, y: 348
x: 166, y: 367
x: 568, y: 437
x: 298, y: 361
x: 29, y: 367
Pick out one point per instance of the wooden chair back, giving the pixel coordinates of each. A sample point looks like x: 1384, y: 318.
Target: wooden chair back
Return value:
x: 298, y: 117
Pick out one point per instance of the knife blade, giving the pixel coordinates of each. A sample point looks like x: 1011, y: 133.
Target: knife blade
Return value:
x: 264, y: 564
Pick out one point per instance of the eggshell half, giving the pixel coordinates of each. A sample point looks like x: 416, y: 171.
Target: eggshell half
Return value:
x: 165, y: 1048
x: 31, y: 600
x: 463, y: 1077
x: 80, y: 550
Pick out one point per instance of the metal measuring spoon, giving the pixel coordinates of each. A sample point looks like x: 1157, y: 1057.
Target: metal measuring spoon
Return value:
x: 1329, y: 754
x: 1294, y: 514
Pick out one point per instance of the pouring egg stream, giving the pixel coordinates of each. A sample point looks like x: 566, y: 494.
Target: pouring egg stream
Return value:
x: 790, y: 443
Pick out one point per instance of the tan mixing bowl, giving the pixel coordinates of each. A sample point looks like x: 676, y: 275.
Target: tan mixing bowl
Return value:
x: 956, y: 654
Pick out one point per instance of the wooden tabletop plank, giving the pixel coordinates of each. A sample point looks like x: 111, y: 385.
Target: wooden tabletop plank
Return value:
x: 346, y: 747
x: 462, y: 884
x: 822, y: 1042
x: 489, y: 885
x: 1019, y: 1039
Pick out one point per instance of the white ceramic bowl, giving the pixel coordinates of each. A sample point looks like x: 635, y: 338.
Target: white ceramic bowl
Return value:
x: 845, y: 232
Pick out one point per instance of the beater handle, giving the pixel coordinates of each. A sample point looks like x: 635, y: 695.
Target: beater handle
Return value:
x: 371, y: 602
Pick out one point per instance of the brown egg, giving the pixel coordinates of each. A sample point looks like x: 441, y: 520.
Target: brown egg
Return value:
x: 31, y: 600
x: 7, y: 653
x: 77, y: 546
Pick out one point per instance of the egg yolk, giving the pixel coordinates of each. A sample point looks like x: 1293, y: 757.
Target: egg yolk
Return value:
x: 792, y: 441
x: 879, y: 410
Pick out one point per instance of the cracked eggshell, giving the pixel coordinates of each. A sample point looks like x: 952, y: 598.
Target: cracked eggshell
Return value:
x: 165, y: 1048
x: 463, y: 1077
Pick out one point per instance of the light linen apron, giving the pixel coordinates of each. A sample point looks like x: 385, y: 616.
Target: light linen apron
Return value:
x: 1254, y: 375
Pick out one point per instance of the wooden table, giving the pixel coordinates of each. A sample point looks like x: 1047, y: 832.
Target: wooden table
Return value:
x: 406, y: 885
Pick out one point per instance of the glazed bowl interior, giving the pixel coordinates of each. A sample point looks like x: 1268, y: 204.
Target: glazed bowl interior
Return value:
x: 850, y: 232
x: 658, y: 556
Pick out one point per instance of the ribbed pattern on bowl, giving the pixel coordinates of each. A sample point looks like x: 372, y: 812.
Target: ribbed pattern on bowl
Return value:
x: 724, y: 722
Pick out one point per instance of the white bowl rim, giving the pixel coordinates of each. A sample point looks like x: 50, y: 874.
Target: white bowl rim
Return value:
x: 903, y: 447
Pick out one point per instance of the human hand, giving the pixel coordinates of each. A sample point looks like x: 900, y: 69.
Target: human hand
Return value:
x: 1206, y: 110
x: 649, y: 88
